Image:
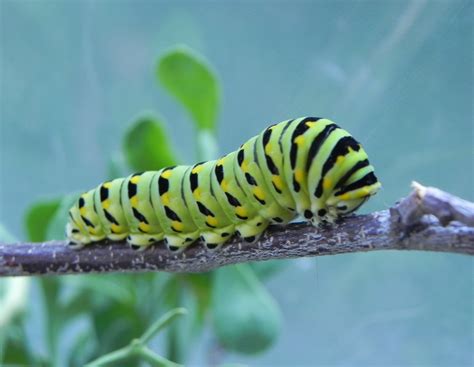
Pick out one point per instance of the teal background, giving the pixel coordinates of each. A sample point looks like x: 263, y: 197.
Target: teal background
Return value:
x: 396, y: 74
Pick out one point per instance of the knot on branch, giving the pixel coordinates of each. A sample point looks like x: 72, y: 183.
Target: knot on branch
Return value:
x: 432, y: 201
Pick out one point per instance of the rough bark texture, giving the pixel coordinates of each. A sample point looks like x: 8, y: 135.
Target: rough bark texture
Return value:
x: 428, y: 220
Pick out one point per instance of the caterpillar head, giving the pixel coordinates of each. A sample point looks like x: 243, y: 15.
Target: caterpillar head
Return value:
x: 353, y: 194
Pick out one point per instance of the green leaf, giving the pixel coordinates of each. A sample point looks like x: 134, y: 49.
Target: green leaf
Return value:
x: 146, y: 145
x: 37, y: 218
x: 57, y: 224
x: 104, y: 287
x: 14, y: 350
x: 191, y: 80
x: 83, y: 347
x: 246, y: 317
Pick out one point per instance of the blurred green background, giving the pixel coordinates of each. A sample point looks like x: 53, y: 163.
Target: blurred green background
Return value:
x: 397, y: 74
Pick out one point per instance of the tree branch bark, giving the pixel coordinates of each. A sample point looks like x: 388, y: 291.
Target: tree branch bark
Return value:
x: 427, y: 220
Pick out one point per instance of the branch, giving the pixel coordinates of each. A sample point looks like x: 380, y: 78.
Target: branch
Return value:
x: 427, y: 220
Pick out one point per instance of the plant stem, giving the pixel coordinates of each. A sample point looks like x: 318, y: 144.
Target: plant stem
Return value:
x: 207, y: 148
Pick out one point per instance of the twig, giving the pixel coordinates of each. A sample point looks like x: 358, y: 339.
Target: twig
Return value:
x: 418, y: 222
x: 430, y: 200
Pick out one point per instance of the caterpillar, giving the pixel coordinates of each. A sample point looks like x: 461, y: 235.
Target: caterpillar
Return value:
x: 308, y: 167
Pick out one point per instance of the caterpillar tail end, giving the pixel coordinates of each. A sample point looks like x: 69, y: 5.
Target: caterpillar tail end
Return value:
x: 75, y: 245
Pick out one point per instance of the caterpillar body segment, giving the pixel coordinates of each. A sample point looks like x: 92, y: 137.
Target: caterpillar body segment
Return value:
x: 299, y: 143
x: 170, y: 205
x: 270, y: 151
x: 109, y: 208
x: 143, y: 224
x: 248, y: 173
x: 249, y: 224
x: 213, y: 224
x: 308, y: 167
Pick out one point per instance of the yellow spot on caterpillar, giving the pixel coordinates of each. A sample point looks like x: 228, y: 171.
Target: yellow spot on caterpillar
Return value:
x: 299, y: 140
x: 327, y: 183
x: 299, y: 175
x: 220, y: 162
x: 245, y: 165
x: 83, y: 211
x: 197, y: 169
x: 144, y: 227
x: 340, y: 159
x: 167, y: 174
x: 268, y: 148
x: 92, y: 230
x: 134, y: 201
x: 106, y: 204
x: 197, y: 193
x: 135, y: 179
x: 259, y: 193
x: 212, y: 221
x: 277, y: 181
x: 165, y: 198
x: 177, y: 226
x: 224, y: 185
x: 241, y: 211
x: 115, y: 228
x: 310, y: 123
x: 107, y: 185
x: 345, y: 196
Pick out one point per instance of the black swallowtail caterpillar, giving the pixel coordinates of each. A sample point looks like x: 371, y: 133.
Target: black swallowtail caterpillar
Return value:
x: 307, y: 166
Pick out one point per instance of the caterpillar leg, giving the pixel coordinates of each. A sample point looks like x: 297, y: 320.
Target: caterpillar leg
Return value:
x: 323, y: 216
x: 250, y: 231
x: 117, y: 236
x: 217, y: 237
x: 176, y: 243
x: 141, y: 241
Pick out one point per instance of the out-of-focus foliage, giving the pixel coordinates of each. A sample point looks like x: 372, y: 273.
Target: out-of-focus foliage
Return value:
x: 138, y: 347
x: 189, y: 78
x: 13, y: 301
x: 38, y: 217
x: 56, y: 222
x: 146, y: 145
x: 118, y: 308
x: 246, y: 318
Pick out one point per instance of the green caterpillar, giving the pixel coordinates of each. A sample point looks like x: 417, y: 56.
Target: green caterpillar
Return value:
x: 307, y: 166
